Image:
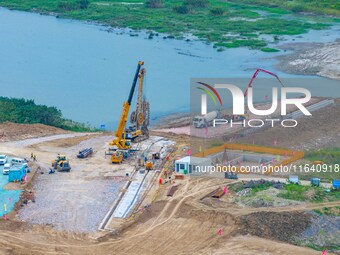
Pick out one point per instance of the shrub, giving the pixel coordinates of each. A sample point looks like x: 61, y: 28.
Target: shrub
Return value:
x: 83, y: 4
x: 183, y: 9
x: 154, y: 3
x: 218, y: 11
x: 197, y: 3
x: 66, y: 6
x: 297, y: 8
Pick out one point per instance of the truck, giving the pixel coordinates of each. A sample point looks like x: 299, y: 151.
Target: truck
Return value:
x: 205, y: 120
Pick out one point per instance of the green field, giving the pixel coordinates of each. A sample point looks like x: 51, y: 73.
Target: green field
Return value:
x: 309, y: 193
x: 328, y: 156
x: 227, y: 24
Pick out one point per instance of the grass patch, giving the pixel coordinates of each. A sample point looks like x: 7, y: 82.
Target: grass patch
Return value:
x: 256, y: 186
x: 328, y: 7
x: 328, y: 156
x: 329, y: 211
x: 309, y: 193
x: 211, y: 21
x: 269, y: 50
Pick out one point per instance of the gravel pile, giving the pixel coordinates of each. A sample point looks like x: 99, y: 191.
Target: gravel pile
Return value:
x: 276, y: 226
x: 71, y: 205
x: 323, y: 232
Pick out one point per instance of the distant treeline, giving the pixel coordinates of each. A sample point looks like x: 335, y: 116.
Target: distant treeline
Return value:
x: 27, y: 112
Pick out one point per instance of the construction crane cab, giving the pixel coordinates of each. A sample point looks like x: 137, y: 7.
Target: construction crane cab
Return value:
x: 121, y: 143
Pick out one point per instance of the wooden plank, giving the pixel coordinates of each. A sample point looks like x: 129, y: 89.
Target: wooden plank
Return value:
x: 210, y: 194
x: 219, y: 193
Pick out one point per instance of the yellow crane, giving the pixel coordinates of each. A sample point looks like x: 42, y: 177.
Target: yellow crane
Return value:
x: 121, y: 143
x: 140, y: 118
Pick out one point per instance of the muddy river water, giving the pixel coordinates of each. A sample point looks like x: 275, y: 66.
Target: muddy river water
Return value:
x: 86, y: 71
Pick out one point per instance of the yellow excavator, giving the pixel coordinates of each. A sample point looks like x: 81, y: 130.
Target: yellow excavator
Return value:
x: 121, y: 144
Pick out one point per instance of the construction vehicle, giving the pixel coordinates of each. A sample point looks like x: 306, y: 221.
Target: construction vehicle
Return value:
x: 206, y: 120
x: 230, y: 175
x: 61, y: 164
x: 64, y: 166
x: 117, y: 157
x: 148, y: 165
x: 121, y: 144
x: 140, y: 118
x: 157, y: 155
x: 59, y: 159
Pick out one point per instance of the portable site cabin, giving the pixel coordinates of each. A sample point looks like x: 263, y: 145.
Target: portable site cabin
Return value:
x: 17, y: 173
x: 315, y: 182
x: 336, y: 184
x: 294, y: 179
x: 192, y: 165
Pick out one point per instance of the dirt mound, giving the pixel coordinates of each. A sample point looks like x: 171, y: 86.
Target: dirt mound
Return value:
x: 215, y: 217
x: 320, y: 130
x: 323, y: 233
x: 276, y: 226
x: 13, y: 131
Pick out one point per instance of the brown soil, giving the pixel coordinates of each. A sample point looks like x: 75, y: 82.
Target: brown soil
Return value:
x: 276, y: 226
x: 68, y: 142
x: 322, y: 129
x: 13, y: 131
x: 176, y: 225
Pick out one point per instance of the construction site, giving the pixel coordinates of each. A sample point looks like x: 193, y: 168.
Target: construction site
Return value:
x: 171, y: 190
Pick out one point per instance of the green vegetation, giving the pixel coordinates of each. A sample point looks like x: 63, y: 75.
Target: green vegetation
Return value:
x: 228, y: 24
x: 256, y: 186
x: 330, y: 7
x: 309, y: 193
x: 329, y: 211
x: 27, y: 112
x: 269, y: 50
x: 328, y: 156
x: 154, y: 3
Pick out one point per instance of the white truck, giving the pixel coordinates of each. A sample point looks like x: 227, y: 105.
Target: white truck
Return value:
x: 205, y: 120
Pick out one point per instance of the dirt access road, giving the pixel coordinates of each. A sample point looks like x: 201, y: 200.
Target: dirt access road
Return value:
x: 176, y: 225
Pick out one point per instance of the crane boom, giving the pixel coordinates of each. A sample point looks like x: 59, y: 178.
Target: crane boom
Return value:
x: 120, y: 141
x: 255, y: 75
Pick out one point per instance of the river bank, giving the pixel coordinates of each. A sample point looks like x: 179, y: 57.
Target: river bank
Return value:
x: 322, y: 59
x: 225, y: 24
x: 84, y: 61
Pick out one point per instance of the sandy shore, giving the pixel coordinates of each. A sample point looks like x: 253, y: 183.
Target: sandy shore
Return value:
x: 321, y: 59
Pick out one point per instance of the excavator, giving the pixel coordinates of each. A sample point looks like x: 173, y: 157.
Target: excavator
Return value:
x: 121, y: 144
x: 140, y: 118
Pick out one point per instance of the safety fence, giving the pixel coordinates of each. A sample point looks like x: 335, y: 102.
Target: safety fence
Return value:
x: 290, y: 155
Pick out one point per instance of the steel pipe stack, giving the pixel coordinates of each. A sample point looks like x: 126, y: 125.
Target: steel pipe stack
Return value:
x: 85, y: 153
